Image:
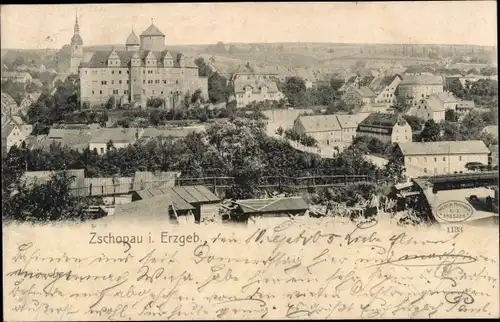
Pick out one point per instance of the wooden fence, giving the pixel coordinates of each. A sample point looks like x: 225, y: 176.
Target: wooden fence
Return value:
x: 218, y: 183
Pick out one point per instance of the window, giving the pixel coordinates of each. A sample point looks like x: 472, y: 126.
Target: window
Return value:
x: 128, y: 81
x: 92, y: 92
x: 102, y: 150
x: 112, y: 82
x: 128, y: 71
x: 425, y: 170
x: 143, y: 71
x: 104, y: 82
x: 144, y: 81
x: 125, y: 92
x: 100, y: 92
x: 435, y: 159
x: 112, y: 72
x: 177, y: 81
x: 153, y: 91
x: 460, y: 158
x: 85, y: 72
x: 115, y: 91
x: 161, y: 92
x: 444, y: 158
x: 164, y: 81
x: 409, y: 159
x: 119, y: 72
x: 119, y: 82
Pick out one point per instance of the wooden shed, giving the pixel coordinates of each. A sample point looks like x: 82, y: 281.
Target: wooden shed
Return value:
x: 273, y: 207
x: 205, y: 204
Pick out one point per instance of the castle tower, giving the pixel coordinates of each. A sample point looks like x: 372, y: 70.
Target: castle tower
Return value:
x: 132, y: 43
x: 152, y: 39
x: 76, y: 49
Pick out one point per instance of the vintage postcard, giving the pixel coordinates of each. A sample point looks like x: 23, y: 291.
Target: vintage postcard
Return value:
x: 186, y: 161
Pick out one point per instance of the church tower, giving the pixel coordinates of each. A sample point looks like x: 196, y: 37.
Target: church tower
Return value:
x: 76, y: 49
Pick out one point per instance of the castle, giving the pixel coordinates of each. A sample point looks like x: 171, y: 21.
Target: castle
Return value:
x: 145, y: 70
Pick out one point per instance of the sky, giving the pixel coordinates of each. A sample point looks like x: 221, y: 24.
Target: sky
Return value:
x: 446, y: 22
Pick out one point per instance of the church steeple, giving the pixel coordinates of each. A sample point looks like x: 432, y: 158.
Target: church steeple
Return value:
x: 77, y: 27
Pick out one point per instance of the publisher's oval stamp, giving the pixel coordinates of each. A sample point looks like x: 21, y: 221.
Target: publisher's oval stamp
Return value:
x: 454, y: 211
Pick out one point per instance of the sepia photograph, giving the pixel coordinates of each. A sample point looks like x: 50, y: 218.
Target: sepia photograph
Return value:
x: 250, y: 160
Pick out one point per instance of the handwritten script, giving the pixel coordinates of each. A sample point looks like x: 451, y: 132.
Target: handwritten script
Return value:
x: 321, y: 269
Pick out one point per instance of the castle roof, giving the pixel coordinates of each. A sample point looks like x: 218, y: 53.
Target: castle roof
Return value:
x: 152, y: 31
x: 132, y: 39
x: 100, y: 58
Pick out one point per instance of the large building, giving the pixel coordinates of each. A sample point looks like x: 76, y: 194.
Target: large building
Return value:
x: 385, y: 127
x: 445, y: 157
x: 145, y: 70
x: 414, y: 88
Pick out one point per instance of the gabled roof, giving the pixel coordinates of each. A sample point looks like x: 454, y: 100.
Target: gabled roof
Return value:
x: 100, y: 58
x: 78, y: 138
x: 152, y: 31
x: 116, y: 135
x: 7, y: 130
x: 240, y: 85
x: 351, y: 120
x: 275, y: 205
x: 380, y: 83
x: 365, y: 92
x: 9, y: 105
x: 319, y: 123
x: 181, y: 132
x: 382, y: 120
x: 443, y: 147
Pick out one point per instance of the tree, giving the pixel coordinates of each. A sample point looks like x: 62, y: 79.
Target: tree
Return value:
x: 197, y: 96
x: 431, y: 132
x: 414, y: 121
x: 218, y: 90
x: 295, y: 89
x: 111, y: 103
x: 336, y: 83
x: 394, y: 169
x: 472, y: 125
x: 220, y: 48
x: 203, y: 69
x: 50, y: 201
x: 451, y: 116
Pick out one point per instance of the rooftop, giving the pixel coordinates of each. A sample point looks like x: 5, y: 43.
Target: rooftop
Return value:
x: 365, y: 91
x: 181, y: 132
x: 380, y: 83
x: 152, y: 30
x: 240, y: 85
x: 422, y: 80
x: 116, y: 135
x: 351, y: 120
x: 383, y: 120
x: 319, y: 123
x: 274, y: 205
x: 100, y: 58
x: 443, y: 147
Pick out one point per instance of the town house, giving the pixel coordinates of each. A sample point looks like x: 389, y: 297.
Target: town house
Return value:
x: 385, y: 127
x: 445, y: 157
